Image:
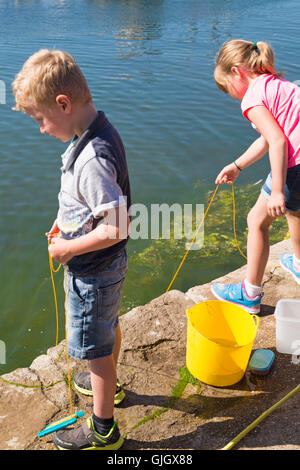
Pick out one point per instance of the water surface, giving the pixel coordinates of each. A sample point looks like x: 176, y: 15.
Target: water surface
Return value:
x: 149, y: 65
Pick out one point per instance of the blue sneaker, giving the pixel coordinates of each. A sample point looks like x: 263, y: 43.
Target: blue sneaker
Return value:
x: 236, y: 294
x: 286, y: 262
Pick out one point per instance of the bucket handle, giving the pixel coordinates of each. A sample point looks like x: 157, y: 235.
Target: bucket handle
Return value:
x: 257, y: 321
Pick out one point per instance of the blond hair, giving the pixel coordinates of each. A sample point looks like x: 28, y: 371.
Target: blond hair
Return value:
x: 257, y: 58
x: 47, y: 74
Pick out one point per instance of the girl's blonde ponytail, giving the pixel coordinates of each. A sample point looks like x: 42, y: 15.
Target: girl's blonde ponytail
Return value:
x: 261, y: 58
x: 256, y: 57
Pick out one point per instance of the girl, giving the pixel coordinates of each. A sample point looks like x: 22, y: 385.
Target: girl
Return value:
x: 246, y: 71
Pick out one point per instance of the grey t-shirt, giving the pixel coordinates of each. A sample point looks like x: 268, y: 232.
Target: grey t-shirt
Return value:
x: 94, y: 179
x: 88, y: 189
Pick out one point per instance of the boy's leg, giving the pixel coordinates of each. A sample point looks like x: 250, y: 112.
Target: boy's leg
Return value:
x: 82, y: 380
x: 103, y: 380
x: 101, y: 304
x: 117, y: 345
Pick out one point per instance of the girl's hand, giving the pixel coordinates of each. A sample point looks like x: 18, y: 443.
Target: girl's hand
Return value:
x: 60, y: 250
x: 54, y: 231
x: 276, y: 205
x: 228, y: 175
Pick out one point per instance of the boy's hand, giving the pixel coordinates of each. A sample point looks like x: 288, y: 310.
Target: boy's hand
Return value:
x: 60, y: 250
x: 228, y: 175
x: 54, y: 231
x: 276, y: 204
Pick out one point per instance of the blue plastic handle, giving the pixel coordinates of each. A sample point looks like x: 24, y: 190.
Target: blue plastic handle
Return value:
x: 60, y: 425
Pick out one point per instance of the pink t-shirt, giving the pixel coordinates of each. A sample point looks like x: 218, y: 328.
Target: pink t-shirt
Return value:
x: 282, y: 99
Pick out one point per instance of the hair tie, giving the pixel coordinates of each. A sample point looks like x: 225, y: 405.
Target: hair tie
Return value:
x: 255, y: 48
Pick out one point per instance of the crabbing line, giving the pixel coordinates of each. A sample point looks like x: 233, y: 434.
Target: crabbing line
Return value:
x: 52, y: 270
x: 197, y: 231
x: 259, y: 419
x: 66, y: 335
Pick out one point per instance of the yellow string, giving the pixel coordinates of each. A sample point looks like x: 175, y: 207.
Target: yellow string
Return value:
x: 260, y: 418
x: 200, y: 225
x: 67, y: 356
x: 52, y: 270
x: 234, y: 231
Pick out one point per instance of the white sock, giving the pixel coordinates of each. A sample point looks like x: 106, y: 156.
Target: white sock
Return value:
x: 252, y: 290
x: 296, y: 263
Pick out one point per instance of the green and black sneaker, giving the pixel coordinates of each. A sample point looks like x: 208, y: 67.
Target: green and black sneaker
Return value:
x: 85, y: 437
x: 82, y: 383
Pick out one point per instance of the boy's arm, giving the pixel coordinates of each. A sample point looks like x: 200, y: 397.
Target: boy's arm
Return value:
x: 53, y: 232
x: 111, y: 230
x: 278, y: 155
x: 256, y: 151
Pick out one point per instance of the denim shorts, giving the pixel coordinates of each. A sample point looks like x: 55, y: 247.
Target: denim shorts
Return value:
x: 292, y: 188
x: 92, y: 310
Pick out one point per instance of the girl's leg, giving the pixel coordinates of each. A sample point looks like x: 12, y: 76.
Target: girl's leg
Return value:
x: 258, y: 241
x: 248, y: 294
x: 293, y: 219
x: 291, y: 263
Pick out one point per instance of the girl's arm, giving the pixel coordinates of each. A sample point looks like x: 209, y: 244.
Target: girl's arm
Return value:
x: 256, y: 151
x: 278, y: 155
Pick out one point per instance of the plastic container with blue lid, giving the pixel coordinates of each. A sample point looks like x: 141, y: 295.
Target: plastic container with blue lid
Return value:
x: 261, y: 361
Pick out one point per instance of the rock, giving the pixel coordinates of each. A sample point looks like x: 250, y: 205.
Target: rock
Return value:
x: 23, y: 411
x: 156, y: 332
x: 166, y: 408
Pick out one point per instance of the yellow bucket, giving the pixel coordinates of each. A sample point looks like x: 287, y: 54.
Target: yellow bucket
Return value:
x: 220, y: 337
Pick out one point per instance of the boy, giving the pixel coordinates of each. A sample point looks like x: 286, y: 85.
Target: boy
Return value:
x: 90, y: 233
